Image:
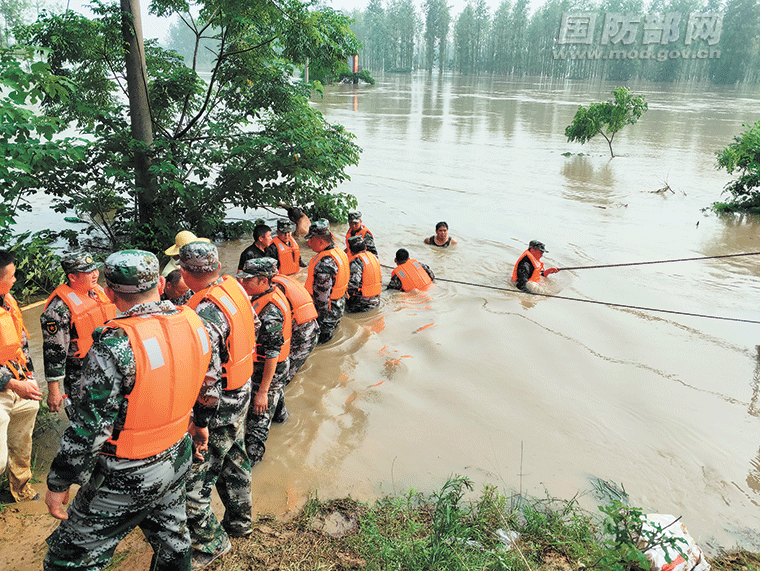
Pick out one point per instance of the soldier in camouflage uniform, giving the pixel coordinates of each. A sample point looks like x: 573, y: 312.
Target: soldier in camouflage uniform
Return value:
x: 328, y: 274
x: 124, y: 485
x: 356, y: 228
x: 302, y: 342
x: 226, y: 465
x: 304, y: 335
x: 356, y: 302
x: 402, y: 257
x: 60, y: 339
x: 272, y: 352
x: 19, y: 393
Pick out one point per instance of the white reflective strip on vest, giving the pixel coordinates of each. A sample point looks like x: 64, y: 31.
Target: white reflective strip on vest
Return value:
x: 204, y: 338
x: 228, y: 304
x: 154, y: 353
x: 75, y: 299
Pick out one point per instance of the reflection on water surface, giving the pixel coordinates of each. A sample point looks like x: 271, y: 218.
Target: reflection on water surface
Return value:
x: 538, y: 393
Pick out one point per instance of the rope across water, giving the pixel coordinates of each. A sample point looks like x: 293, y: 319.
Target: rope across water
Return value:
x: 620, y: 305
x: 661, y: 261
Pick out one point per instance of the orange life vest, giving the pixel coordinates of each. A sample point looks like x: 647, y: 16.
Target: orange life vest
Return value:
x: 412, y: 275
x: 87, y: 313
x: 341, y: 280
x: 277, y: 297
x: 372, y: 281
x: 11, y: 336
x: 360, y: 232
x: 538, y: 267
x: 230, y: 297
x: 288, y: 254
x: 172, y: 354
x: 300, y: 301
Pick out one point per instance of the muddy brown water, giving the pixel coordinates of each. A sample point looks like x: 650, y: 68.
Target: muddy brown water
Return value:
x: 538, y: 394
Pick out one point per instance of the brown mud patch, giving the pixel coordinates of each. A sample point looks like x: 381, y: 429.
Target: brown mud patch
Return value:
x: 283, y: 545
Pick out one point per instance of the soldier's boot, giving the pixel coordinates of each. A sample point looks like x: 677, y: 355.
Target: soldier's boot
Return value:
x: 201, y: 560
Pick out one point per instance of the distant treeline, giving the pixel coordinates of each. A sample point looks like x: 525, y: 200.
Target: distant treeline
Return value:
x: 665, y: 40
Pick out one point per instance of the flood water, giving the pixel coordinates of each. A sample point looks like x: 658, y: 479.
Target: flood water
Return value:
x: 532, y: 393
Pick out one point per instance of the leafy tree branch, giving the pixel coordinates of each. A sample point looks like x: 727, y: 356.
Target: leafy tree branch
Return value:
x: 606, y: 118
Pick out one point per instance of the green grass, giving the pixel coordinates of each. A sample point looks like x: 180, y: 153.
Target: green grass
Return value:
x: 443, y: 531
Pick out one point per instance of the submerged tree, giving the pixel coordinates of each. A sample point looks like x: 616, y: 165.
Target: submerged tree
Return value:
x: 437, y: 19
x: 738, y: 59
x: 243, y: 135
x: 606, y: 117
x: 470, y: 37
x: 743, y: 157
x: 401, y: 22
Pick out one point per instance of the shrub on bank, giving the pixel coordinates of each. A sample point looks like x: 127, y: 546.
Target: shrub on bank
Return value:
x: 443, y: 532
x: 742, y: 157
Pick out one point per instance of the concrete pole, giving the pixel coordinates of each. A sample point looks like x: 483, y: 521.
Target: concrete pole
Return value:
x: 139, y: 110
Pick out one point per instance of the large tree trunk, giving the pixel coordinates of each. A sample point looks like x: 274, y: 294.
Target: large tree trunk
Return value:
x: 139, y: 111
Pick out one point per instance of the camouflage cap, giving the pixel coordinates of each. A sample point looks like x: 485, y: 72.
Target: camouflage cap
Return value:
x: 536, y: 245
x: 258, y: 267
x: 319, y: 228
x: 354, y: 215
x: 131, y: 271
x: 199, y: 257
x: 78, y: 262
x: 285, y: 225
x: 356, y: 243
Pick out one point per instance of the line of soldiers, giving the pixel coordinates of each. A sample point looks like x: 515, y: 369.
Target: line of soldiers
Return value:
x: 338, y: 280
x: 171, y: 400
x: 174, y: 400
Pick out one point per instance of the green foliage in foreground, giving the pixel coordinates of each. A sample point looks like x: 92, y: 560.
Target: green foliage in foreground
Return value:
x: 38, y: 269
x: 496, y: 532
x: 242, y: 135
x: 742, y: 157
x: 606, y: 117
x: 27, y: 142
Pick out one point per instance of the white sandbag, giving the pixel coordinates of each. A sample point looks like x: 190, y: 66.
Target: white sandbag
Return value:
x: 661, y: 525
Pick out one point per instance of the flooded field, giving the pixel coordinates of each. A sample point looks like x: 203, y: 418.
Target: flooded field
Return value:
x: 534, y: 393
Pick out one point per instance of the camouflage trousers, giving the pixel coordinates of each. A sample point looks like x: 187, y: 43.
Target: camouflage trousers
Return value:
x: 361, y: 304
x: 74, y: 368
x: 330, y: 318
x: 257, y: 425
x: 227, y: 467
x: 302, y: 343
x: 121, y: 495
